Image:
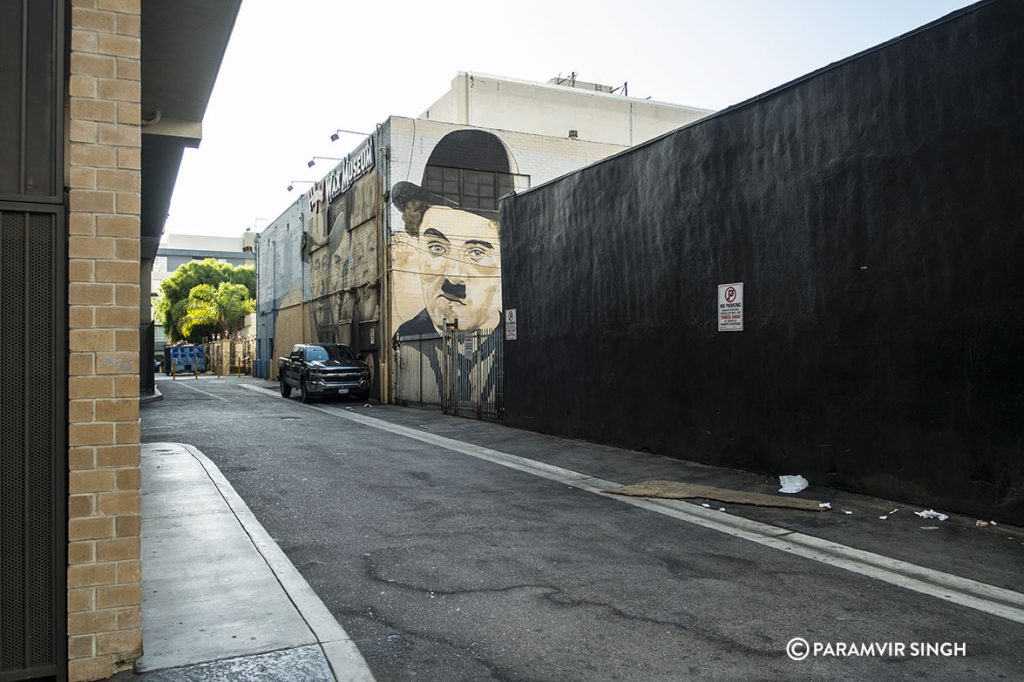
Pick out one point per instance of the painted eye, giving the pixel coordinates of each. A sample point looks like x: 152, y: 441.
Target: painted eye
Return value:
x: 477, y: 253
x: 437, y: 249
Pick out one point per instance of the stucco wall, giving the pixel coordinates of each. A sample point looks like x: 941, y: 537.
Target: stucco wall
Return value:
x: 553, y: 110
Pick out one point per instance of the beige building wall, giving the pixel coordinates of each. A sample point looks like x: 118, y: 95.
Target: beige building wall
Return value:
x: 291, y: 327
x: 104, y: 161
x: 503, y: 103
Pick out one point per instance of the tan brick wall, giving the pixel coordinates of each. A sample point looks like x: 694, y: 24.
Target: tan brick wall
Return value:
x: 104, y: 570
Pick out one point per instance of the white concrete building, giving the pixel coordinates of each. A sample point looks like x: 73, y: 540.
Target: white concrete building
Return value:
x: 595, y: 112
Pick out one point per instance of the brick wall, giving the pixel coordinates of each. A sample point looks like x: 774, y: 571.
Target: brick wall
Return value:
x: 104, y: 575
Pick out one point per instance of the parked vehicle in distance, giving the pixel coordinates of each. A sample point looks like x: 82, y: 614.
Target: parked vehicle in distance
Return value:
x: 324, y: 370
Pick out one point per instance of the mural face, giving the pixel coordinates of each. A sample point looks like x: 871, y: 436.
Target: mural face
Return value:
x: 450, y: 249
x: 460, y: 268
x: 448, y: 259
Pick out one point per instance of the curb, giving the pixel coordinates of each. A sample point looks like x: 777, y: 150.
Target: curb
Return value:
x: 344, y: 659
x: 157, y: 395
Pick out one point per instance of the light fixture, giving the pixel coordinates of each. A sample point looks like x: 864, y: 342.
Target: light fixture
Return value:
x: 291, y: 184
x: 334, y: 135
x: 312, y: 162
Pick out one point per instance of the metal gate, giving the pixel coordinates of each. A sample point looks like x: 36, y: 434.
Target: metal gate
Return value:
x: 462, y: 372
x: 473, y: 374
x: 33, y: 330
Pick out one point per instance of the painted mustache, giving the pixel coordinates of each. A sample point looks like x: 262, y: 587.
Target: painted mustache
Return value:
x: 453, y: 292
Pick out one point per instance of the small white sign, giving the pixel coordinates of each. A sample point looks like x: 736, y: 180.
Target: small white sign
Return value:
x: 730, y: 307
x: 467, y: 345
x: 510, y: 324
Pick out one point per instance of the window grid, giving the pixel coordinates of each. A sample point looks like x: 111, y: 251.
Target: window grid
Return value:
x: 466, y: 188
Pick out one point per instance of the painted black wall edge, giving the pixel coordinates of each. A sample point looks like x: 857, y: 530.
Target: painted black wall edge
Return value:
x: 875, y: 214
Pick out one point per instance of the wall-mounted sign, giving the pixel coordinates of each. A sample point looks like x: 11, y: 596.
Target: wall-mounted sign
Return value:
x: 341, y: 178
x: 510, y: 324
x: 730, y: 307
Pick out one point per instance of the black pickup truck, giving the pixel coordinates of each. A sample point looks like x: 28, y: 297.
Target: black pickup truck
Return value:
x: 324, y: 369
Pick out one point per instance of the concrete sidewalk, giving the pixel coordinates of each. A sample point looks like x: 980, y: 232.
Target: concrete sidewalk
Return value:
x: 221, y: 601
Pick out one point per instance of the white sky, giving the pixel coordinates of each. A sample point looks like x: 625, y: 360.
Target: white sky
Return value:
x: 295, y: 71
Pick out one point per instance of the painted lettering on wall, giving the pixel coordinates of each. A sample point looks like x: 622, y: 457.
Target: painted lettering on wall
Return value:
x: 341, y: 178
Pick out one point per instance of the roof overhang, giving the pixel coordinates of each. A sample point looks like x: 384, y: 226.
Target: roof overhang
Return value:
x: 183, y: 44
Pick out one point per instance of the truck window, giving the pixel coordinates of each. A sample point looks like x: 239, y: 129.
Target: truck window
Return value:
x: 328, y: 352
x: 316, y: 354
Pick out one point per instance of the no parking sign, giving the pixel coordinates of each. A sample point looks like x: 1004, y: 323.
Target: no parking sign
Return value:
x: 730, y: 307
x: 510, y: 324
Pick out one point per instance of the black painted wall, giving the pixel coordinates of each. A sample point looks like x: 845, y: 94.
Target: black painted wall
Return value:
x: 874, y: 211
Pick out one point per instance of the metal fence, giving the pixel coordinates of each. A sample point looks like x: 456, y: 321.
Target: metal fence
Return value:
x: 462, y: 372
x: 233, y: 355
x: 146, y: 355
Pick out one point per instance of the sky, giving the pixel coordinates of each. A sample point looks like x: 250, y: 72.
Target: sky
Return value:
x: 296, y: 71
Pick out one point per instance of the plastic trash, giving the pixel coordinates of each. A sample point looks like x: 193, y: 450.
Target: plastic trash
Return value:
x: 706, y: 506
x: 932, y: 514
x: 981, y: 524
x: 792, y: 484
x: 846, y: 511
x: 825, y: 505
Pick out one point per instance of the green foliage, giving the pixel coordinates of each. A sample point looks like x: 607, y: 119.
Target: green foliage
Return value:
x: 172, y: 305
x: 224, y: 307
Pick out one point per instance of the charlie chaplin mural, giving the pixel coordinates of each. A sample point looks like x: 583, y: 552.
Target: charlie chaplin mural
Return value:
x: 451, y: 224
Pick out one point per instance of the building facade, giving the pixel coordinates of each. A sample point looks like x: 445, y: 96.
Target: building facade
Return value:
x: 78, y: 131
x: 562, y: 107
x: 348, y: 262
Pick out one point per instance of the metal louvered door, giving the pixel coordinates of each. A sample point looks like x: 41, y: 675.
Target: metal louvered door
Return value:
x: 32, y: 444
x: 33, y: 342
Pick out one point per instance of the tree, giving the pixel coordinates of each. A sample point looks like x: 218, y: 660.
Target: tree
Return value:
x: 224, y: 307
x: 171, y: 306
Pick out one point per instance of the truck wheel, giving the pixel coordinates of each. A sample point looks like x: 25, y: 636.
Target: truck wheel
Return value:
x: 306, y: 397
x: 286, y: 390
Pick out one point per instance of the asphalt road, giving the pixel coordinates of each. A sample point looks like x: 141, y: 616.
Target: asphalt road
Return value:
x: 442, y: 566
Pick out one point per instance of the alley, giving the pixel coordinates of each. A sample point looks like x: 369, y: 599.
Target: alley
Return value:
x: 453, y: 549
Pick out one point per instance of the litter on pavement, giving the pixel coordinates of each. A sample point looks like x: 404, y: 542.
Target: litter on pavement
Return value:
x: 675, y: 490
x: 932, y: 514
x: 792, y: 484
